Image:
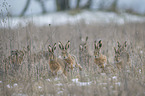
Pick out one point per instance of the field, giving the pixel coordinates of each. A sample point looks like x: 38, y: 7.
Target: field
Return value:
x: 33, y: 78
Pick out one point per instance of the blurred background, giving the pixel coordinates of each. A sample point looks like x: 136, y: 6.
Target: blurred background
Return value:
x: 37, y: 7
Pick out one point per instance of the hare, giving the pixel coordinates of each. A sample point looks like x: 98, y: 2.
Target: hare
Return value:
x: 121, y: 56
x: 69, y: 58
x: 100, y: 59
x: 84, y: 54
x: 57, y: 65
x: 15, y: 59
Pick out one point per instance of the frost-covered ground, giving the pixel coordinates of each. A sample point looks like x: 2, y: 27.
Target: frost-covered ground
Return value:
x: 60, y: 18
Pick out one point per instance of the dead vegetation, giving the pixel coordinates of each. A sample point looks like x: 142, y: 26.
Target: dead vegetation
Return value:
x: 34, y: 78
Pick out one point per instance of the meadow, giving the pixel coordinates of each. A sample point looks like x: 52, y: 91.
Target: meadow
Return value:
x: 33, y: 77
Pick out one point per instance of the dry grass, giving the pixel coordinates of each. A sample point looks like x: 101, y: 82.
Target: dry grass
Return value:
x: 32, y: 79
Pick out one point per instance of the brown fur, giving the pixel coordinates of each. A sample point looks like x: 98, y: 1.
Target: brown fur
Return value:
x: 70, y: 59
x: 100, y: 59
x: 121, y: 58
x: 57, y: 65
x: 14, y: 60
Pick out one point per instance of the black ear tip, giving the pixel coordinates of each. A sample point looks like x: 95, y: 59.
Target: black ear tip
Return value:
x: 87, y: 38
x: 100, y: 41
x: 49, y: 46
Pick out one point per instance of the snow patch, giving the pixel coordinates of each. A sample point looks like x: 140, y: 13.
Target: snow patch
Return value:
x: 56, y: 79
x: 84, y: 83
x: 47, y: 79
x: 102, y: 83
x: 18, y: 94
x: 15, y: 85
x: 80, y: 83
x: 140, y: 71
x: 75, y: 80
x: 59, y: 92
x: 9, y: 86
x: 114, y: 77
x: 59, y: 57
x: 118, y: 83
x: 39, y: 87
x: 60, y: 18
x: 141, y: 52
x: 128, y: 71
x: 60, y: 84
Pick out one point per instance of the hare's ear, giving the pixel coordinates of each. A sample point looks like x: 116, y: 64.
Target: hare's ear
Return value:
x: 95, y: 44
x: 81, y: 47
x: 60, y: 45
x: 54, y: 47
x: 125, y: 44
x: 118, y: 44
x: 49, y: 48
x: 86, y: 38
x: 28, y: 48
x: 17, y: 52
x: 115, y: 50
x: 100, y: 44
x: 12, y: 52
x: 67, y: 45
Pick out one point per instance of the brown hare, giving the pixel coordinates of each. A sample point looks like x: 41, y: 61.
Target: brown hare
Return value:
x: 69, y: 58
x: 100, y: 59
x: 15, y: 59
x: 121, y: 58
x: 57, y: 65
x: 84, y: 54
